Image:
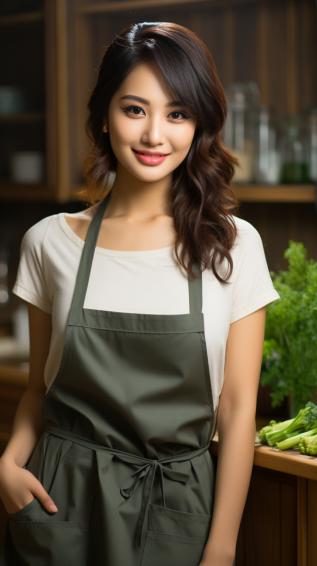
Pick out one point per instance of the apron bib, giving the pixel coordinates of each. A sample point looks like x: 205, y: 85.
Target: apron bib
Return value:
x: 124, y: 454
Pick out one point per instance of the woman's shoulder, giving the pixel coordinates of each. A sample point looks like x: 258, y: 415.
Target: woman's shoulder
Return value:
x: 244, y: 227
x: 36, y: 235
x: 78, y: 222
x: 51, y: 226
x: 247, y: 235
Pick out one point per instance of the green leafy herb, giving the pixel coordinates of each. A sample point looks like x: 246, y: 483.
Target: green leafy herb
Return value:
x: 290, y: 346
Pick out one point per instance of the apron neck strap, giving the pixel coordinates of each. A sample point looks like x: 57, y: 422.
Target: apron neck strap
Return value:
x: 194, y: 285
x: 86, y: 261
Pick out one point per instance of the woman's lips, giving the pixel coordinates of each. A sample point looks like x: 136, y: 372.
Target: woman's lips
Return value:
x: 149, y: 158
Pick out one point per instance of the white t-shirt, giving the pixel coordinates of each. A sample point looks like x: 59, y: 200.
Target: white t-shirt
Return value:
x: 147, y: 282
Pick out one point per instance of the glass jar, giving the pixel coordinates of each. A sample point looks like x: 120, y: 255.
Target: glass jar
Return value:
x: 238, y: 133
x: 311, y: 118
x: 294, y: 150
x: 267, y: 161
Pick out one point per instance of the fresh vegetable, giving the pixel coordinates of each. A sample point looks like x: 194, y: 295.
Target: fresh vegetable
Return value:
x: 290, y: 347
x: 304, y: 421
x: 309, y: 445
x: 272, y: 427
x: 301, y: 446
x: 295, y: 440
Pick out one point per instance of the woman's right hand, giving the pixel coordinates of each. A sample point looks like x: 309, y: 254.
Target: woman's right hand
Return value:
x: 18, y: 487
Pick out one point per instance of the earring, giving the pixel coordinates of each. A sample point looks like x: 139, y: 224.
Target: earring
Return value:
x: 105, y: 129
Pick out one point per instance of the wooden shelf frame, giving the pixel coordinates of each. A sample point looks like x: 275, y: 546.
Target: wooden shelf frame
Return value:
x: 26, y: 18
x: 276, y: 193
x: 115, y: 6
x: 10, y: 190
x: 22, y: 117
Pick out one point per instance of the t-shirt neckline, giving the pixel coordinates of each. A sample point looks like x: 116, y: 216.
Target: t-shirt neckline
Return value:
x: 104, y: 251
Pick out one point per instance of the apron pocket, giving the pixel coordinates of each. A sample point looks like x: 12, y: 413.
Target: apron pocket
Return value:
x: 50, y: 543
x: 21, y: 514
x: 175, y: 538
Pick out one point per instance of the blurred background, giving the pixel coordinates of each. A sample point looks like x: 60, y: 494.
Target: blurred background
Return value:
x: 265, y: 53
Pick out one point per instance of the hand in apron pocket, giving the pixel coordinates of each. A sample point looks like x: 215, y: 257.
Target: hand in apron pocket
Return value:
x: 41, y: 540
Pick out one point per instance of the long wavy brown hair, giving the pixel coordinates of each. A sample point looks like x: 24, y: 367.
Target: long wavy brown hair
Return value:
x: 202, y: 199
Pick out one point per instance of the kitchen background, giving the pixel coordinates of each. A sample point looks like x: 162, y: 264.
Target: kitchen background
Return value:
x: 265, y: 53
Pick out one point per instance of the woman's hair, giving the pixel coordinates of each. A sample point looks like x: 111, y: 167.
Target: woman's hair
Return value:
x: 202, y: 199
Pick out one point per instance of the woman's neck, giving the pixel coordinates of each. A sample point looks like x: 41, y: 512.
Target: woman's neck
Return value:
x: 137, y: 199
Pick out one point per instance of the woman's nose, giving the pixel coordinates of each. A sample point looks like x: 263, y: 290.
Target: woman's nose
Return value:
x: 153, y: 133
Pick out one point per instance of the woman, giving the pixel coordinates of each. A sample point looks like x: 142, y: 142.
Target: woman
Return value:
x: 143, y: 309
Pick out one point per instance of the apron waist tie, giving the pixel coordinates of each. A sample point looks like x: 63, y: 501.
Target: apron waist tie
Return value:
x: 147, y: 469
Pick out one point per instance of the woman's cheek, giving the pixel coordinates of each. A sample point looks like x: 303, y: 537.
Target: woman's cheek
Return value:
x: 123, y: 132
x: 182, y: 139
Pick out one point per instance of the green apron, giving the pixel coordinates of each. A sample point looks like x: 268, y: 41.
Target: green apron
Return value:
x: 124, y: 454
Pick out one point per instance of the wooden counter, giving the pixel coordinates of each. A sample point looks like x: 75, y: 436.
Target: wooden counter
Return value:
x: 289, y: 461
x: 280, y: 516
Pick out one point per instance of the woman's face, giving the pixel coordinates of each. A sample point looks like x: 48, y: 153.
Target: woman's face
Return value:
x: 150, y: 133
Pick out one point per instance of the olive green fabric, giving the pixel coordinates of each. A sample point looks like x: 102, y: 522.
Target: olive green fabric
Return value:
x: 124, y: 454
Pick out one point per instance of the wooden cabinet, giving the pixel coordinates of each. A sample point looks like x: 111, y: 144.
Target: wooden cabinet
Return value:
x: 57, y: 49
x: 28, y: 63
x: 278, y: 523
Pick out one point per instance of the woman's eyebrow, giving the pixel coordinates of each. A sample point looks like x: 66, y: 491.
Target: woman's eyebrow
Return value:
x: 139, y: 99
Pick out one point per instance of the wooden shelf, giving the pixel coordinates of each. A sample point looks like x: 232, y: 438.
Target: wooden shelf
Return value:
x: 27, y: 18
x: 259, y: 193
x: 277, y: 193
x: 245, y: 193
x: 10, y: 190
x: 22, y: 117
x: 115, y: 6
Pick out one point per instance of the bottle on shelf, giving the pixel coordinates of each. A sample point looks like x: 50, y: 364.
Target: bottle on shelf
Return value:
x: 27, y: 166
x: 311, y: 120
x: 267, y: 161
x: 238, y: 133
x: 294, y: 150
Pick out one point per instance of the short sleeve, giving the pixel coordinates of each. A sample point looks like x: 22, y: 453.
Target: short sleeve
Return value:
x: 253, y: 287
x: 31, y: 284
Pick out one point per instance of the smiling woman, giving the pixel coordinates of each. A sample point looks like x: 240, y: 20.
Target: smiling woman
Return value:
x: 181, y: 111
x: 147, y: 315
x: 151, y: 134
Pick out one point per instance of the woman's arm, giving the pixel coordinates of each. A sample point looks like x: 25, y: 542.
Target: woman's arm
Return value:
x: 236, y: 430
x: 17, y: 484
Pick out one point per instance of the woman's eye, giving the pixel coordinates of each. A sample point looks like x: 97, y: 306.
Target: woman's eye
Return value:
x: 133, y: 109
x: 177, y: 115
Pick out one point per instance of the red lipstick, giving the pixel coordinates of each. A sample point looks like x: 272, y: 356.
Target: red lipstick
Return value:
x: 150, y: 157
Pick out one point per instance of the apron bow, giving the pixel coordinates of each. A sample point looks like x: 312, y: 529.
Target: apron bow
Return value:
x: 148, y: 470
